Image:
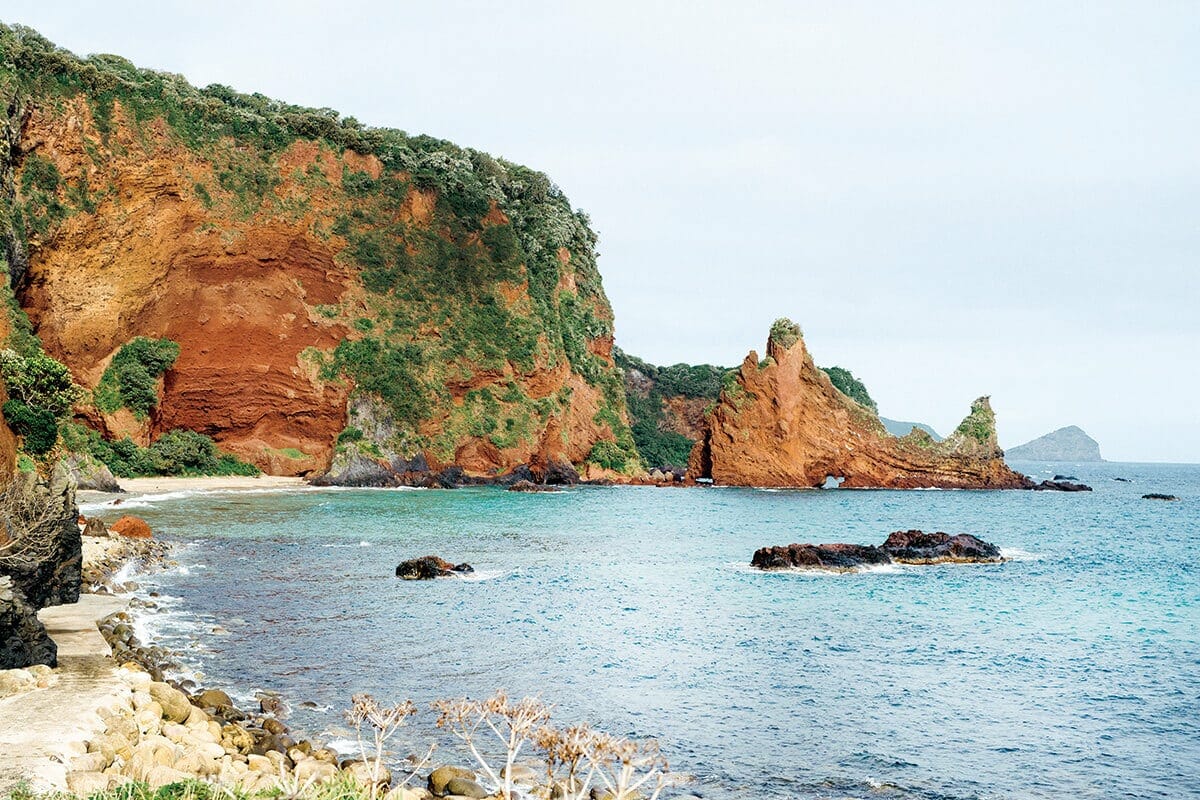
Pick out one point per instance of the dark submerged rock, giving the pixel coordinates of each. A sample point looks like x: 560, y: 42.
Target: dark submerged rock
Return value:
x: 1064, y: 478
x: 560, y: 473
x: 429, y: 567
x: 1157, y: 496
x: 23, y: 638
x: 905, y: 547
x: 1061, y: 486
x: 918, y: 547
x: 819, y: 556
x: 530, y: 486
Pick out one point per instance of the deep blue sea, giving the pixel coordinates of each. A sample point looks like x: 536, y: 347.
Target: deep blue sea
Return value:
x: 1071, y: 671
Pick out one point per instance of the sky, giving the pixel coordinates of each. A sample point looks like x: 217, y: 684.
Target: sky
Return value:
x: 953, y: 199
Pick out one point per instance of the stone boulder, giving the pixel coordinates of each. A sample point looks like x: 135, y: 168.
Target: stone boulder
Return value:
x: 440, y: 778
x: 23, y: 637
x: 429, y: 567
x: 918, y: 547
x: 132, y: 528
x: 559, y: 473
x: 90, y: 473
x: 819, y: 556
x: 1157, y: 496
x: 46, y: 570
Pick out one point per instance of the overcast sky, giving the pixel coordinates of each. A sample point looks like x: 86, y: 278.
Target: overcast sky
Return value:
x: 953, y: 199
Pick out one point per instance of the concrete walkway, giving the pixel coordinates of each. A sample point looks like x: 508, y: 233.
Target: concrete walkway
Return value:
x: 42, y: 730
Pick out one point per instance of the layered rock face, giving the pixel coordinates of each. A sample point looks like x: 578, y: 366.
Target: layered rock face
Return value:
x: 782, y: 423
x: 301, y: 261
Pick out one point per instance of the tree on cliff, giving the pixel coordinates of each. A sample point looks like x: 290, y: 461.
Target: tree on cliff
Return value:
x: 41, y: 393
x: 845, y: 382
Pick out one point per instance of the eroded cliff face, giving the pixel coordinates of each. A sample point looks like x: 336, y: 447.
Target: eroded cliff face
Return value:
x: 301, y: 261
x: 783, y: 424
x: 152, y: 260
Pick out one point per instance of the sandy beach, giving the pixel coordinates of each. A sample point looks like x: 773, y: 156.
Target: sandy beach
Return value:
x: 136, y: 487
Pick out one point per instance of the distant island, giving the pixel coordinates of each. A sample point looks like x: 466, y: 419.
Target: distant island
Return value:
x: 1065, y: 444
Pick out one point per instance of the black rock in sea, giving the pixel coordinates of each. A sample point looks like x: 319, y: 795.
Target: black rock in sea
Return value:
x: 1061, y: 486
x: 820, y: 556
x: 1157, y: 496
x: 901, y: 547
x: 918, y: 547
x: 429, y: 567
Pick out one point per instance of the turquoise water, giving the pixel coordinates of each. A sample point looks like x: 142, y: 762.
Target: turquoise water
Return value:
x: 1071, y: 671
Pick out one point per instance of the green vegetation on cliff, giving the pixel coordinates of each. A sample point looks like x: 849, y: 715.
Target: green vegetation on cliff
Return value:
x: 646, y: 395
x: 41, y: 393
x: 177, y: 452
x: 844, y: 381
x: 475, y: 272
x: 979, y: 426
x: 785, y: 333
x: 131, y: 379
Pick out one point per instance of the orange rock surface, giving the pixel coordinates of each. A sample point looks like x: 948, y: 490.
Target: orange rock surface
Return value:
x: 785, y: 425
x: 132, y: 527
x: 243, y: 292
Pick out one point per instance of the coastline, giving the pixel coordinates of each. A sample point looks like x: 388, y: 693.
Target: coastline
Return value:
x: 118, y: 713
x: 161, y: 485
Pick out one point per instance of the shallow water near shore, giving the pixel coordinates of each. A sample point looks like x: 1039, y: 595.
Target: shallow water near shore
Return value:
x: 1072, y: 670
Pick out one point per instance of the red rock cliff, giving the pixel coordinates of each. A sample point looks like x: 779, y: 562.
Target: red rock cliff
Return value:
x: 261, y: 236
x: 782, y: 423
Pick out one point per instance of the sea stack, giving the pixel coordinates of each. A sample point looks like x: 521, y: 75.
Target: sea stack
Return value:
x: 781, y: 423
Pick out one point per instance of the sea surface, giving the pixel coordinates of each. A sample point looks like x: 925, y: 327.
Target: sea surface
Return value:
x: 1072, y: 670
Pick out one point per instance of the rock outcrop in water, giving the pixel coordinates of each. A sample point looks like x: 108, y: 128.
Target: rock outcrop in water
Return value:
x: 1061, y: 486
x: 918, y: 547
x: 819, y: 556
x: 1065, y: 444
x: 429, y: 567
x: 781, y: 422
x: 901, y: 547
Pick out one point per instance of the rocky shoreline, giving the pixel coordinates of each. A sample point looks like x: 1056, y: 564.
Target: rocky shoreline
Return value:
x: 157, y: 729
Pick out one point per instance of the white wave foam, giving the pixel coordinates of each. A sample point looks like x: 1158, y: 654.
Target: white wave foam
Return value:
x: 483, y: 574
x: 1016, y: 554
x: 865, y: 569
x: 343, y: 746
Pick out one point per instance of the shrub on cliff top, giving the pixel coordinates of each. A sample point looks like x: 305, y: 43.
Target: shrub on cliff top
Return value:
x: 39, y: 381
x: 844, y: 381
x: 41, y: 392
x: 785, y: 333
x: 131, y: 379
x: 37, y: 426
